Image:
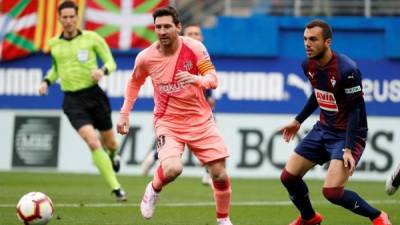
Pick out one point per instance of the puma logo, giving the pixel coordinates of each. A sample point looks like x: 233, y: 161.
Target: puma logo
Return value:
x: 295, y: 81
x: 356, y: 206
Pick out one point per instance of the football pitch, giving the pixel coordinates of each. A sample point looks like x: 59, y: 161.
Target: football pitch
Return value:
x: 84, y: 199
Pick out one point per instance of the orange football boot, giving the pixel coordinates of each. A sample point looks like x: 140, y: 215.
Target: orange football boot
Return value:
x: 316, y: 220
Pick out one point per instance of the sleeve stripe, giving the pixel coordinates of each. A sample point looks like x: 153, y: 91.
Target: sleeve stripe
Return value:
x: 204, y: 71
x: 205, y: 66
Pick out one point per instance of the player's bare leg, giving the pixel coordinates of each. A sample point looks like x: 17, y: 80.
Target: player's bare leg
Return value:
x: 168, y: 170
x: 292, y: 178
x: 222, y: 190
x: 334, y: 191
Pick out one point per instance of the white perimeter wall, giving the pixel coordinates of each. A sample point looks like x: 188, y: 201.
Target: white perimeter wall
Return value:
x: 255, y: 149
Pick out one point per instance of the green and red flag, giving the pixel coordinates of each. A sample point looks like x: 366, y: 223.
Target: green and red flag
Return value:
x: 17, y: 28
x: 125, y: 24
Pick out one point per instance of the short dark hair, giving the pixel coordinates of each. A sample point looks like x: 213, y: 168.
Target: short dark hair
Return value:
x: 167, y: 11
x: 326, y: 28
x: 67, y: 4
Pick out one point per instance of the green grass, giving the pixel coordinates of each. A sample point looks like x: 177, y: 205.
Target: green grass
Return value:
x: 82, y: 199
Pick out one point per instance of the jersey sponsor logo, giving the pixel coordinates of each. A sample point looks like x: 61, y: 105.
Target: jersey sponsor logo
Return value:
x: 326, y: 100
x: 171, y: 88
x: 352, y: 90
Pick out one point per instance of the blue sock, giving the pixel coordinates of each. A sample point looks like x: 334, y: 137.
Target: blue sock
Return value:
x: 298, y: 192
x: 351, y: 201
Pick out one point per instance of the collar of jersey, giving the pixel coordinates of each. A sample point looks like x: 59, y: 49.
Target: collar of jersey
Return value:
x: 69, y: 39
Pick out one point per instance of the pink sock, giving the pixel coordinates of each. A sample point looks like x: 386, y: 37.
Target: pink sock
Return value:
x: 222, y: 197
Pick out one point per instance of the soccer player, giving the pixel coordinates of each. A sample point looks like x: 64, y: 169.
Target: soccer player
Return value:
x: 338, y: 137
x: 193, y: 31
x: 87, y: 107
x: 180, y: 69
x: 393, y: 182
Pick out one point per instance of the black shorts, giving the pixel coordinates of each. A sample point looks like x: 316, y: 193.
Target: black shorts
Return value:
x: 88, y: 106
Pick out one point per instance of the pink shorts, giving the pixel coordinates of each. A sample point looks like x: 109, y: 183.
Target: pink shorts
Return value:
x: 204, y: 141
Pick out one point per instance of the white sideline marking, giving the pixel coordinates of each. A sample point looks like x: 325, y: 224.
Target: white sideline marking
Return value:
x: 197, y: 204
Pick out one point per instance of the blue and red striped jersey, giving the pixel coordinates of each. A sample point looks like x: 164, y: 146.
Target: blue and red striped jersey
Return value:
x: 337, y: 90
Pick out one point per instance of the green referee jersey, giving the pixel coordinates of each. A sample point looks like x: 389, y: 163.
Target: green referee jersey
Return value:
x: 73, y: 60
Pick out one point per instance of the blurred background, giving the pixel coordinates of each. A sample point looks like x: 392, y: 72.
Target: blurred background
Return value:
x: 257, y: 48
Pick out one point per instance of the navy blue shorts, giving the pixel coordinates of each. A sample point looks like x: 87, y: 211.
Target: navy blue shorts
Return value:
x: 321, y: 145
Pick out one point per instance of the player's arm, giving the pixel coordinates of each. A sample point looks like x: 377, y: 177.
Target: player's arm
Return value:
x: 351, y: 132
x: 136, y: 80
x: 353, y: 94
x: 208, y: 78
x: 308, y: 109
x: 290, y: 130
x: 50, y: 78
x: 103, y: 51
x: 354, y: 98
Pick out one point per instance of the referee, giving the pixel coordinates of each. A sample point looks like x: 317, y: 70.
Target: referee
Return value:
x: 74, y: 61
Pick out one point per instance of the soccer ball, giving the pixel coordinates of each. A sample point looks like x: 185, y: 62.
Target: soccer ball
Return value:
x: 35, y: 208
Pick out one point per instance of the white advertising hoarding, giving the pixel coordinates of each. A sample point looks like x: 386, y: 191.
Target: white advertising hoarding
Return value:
x: 255, y: 145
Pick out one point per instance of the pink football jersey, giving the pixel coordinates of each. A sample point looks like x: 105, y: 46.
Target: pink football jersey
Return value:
x: 177, y: 105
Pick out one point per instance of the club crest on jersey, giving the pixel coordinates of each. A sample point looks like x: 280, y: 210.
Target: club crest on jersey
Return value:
x: 188, y: 65
x: 333, y: 81
x: 326, y: 100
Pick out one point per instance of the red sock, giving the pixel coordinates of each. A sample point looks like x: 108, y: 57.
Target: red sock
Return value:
x: 222, y: 196
x: 159, y: 180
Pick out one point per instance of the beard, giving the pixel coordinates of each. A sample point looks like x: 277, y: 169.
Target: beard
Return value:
x: 320, y: 54
x: 165, y: 42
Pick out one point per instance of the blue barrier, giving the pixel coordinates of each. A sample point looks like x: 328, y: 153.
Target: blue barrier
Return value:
x: 247, y: 85
x: 282, y: 37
